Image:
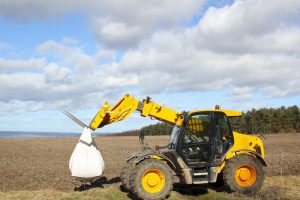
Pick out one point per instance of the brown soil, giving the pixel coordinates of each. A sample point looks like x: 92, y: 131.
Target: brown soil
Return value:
x: 35, y: 164
x: 282, y: 154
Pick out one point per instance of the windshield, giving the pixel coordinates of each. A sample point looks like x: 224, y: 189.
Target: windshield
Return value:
x: 173, y: 135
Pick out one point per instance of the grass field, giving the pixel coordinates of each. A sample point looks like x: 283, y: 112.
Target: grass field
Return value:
x: 38, y: 169
x: 286, y: 187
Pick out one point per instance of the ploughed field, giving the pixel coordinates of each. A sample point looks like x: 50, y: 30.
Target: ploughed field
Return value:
x: 39, y: 164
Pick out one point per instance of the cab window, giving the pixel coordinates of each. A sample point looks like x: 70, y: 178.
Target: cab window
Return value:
x: 223, y: 134
x: 197, y: 129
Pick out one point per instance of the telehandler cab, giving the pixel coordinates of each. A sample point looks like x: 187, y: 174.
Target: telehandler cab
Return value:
x: 202, y: 149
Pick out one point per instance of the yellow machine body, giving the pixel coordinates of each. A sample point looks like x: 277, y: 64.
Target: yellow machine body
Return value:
x: 243, y: 143
x: 147, y: 108
x: 127, y: 105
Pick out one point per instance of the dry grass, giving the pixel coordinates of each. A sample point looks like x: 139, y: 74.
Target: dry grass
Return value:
x: 272, y: 189
x: 35, y: 164
x: 282, y: 154
x: 42, y: 164
x: 277, y: 187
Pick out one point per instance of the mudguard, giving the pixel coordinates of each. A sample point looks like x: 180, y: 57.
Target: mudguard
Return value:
x: 260, y: 158
x: 139, y: 157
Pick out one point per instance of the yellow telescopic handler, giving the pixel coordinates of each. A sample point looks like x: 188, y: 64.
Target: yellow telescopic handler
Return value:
x: 202, y: 149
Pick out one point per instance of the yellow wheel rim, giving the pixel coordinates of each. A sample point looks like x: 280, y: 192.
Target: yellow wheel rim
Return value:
x: 245, y: 175
x: 153, y: 181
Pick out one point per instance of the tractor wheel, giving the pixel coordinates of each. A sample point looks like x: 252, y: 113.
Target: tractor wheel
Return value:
x: 151, y: 180
x: 243, y: 173
x: 125, y: 174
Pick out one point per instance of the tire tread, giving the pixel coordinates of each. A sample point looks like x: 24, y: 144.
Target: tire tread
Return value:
x: 229, y: 171
x: 135, y: 180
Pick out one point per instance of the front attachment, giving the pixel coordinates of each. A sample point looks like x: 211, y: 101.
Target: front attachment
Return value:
x: 86, y: 161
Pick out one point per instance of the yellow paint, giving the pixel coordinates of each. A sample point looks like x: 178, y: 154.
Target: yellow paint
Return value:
x: 100, y: 116
x: 245, y: 175
x: 196, y: 126
x: 121, y: 110
x: 221, y: 167
x: 153, y: 181
x: 248, y: 142
x: 229, y: 113
x: 243, y: 141
x: 127, y: 105
x: 161, y: 113
x: 156, y: 157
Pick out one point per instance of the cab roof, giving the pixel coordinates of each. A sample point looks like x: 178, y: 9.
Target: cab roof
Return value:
x: 229, y: 113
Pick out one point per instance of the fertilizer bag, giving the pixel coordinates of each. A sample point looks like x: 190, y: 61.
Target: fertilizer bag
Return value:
x: 86, y: 160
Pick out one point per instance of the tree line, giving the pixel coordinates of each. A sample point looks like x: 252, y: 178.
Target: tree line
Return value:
x: 160, y: 128
x: 268, y: 121
x: 255, y: 121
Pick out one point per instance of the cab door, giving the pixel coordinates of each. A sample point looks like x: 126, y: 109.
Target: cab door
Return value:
x: 196, y: 141
x: 223, y: 137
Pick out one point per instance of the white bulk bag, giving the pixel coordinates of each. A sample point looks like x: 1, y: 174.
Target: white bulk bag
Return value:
x: 86, y: 161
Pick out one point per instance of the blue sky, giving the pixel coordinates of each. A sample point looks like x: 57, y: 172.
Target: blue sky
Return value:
x: 189, y: 55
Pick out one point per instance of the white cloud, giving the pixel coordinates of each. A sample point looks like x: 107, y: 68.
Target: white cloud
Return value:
x: 241, y: 91
x: 241, y: 94
x: 123, y: 26
x: 21, y: 86
x: 17, y: 106
x: 116, y: 24
x: 229, y: 47
x: 250, y: 26
x: 250, y: 47
x: 252, y: 17
x: 188, y: 69
x: 4, y: 45
x: 119, y: 35
x: 74, y: 80
x: 23, y: 65
x: 54, y: 73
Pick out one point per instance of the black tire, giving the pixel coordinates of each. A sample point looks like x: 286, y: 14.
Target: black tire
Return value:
x: 143, y: 168
x: 125, y: 174
x: 219, y: 183
x: 233, y: 179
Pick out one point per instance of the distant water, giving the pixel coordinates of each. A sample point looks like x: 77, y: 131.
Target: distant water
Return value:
x: 23, y: 134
